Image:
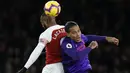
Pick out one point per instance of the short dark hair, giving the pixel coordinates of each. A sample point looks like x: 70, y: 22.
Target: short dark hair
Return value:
x: 69, y: 25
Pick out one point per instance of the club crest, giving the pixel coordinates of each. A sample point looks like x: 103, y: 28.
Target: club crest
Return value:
x: 68, y: 45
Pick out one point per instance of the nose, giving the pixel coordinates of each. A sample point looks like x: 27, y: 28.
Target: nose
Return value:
x: 78, y: 34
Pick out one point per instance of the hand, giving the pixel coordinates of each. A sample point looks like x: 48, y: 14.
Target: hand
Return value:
x: 112, y: 40
x: 93, y: 45
x: 23, y: 70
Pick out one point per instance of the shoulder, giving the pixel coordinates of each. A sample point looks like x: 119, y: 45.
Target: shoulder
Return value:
x: 48, y: 32
x: 66, y: 40
x: 84, y: 37
x: 55, y: 27
x: 66, y: 43
x: 52, y: 28
x: 45, y: 33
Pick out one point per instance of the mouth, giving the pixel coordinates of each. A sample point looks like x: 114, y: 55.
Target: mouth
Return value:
x: 78, y: 39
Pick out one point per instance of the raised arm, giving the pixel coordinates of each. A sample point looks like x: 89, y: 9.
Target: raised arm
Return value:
x: 80, y: 52
x: 74, y: 52
x: 43, y: 40
x: 102, y: 38
x: 96, y: 38
x: 34, y: 55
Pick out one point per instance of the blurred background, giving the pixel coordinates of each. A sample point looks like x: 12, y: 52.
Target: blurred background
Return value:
x: 20, y: 29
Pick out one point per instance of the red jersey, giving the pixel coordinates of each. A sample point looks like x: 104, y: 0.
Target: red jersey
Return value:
x: 53, y: 36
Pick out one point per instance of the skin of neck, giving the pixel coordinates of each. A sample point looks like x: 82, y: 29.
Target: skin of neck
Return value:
x: 52, y: 23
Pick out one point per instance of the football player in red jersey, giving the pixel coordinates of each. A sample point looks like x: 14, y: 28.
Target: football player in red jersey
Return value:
x: 50, y: 39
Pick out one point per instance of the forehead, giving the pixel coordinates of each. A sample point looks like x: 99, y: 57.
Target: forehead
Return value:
x: 74, y: 28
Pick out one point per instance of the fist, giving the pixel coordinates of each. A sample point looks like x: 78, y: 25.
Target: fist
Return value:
x: 113, y: 40
x: 93, y: 45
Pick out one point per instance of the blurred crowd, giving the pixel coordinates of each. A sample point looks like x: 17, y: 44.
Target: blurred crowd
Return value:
x: 20, y: 29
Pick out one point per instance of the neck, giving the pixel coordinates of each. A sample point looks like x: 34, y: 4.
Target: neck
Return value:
x: 53, y: 23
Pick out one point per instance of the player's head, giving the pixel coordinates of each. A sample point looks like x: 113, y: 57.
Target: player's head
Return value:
x: 47, y: 21
x: 73, y: 31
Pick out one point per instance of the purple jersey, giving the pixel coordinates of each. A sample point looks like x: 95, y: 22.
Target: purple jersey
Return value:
x: 75, y: 54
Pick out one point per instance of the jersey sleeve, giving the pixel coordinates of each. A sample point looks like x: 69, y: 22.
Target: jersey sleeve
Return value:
x: 34, y: 55
x: 73, y: 52
x: 95, y: 38
x: 45, y: 37
x: 85, y: 39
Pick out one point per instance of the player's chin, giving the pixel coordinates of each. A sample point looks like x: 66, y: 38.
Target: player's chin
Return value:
x: 78, y: 40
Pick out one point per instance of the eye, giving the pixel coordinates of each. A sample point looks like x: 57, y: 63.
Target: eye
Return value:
x: 73, y: 32
x: 78, y: 30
